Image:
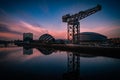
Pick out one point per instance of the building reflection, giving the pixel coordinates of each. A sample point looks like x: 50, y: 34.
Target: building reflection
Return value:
x: 27, y: 51
x: 73, y: 67
x: 73, y: 63
x: 45, y: 51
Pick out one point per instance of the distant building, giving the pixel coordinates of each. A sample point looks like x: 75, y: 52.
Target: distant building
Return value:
x: 114, y: 41
x: 92, y: 38
x: 61, y: 41
x: 27, y: 36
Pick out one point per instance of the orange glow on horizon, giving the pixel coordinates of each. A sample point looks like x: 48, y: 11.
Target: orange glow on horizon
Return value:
x: 24, y: 27
x: 58, y: 34
x: 10, y: 36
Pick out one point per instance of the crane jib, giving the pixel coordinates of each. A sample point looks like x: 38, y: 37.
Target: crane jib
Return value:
x: 82, y: 14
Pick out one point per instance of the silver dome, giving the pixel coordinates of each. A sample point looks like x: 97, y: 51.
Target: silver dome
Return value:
x: 92, y: 36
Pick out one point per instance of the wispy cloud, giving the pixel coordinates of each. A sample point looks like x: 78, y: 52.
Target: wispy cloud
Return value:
x: 9, y: 36
x: 11, y: 29
x: 15, y: 30
x: 21, y: 27
x: 58, y: 34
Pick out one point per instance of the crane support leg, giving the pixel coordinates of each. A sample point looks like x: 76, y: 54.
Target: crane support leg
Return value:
x: 73, y: 33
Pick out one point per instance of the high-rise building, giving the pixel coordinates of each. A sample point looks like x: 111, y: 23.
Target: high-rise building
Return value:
x: 27, y: 36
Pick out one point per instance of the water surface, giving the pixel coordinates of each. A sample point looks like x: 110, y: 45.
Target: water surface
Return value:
x: 48, y: 64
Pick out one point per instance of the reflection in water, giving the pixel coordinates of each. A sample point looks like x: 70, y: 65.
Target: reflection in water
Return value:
x: 86, y: 55
x: 73, y: 66
x: 61, y: 65
x: 46, y: 51
x: 27, y: 51
x: 73, y: 63
x: 73, y: 72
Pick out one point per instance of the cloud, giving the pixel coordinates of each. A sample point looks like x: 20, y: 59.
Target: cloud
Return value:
x: 58, y: 34
x: 19, y: 28
x: 14, y: 30
x: 9, y: 36
x: 11, y: 28
x: 4, y: 28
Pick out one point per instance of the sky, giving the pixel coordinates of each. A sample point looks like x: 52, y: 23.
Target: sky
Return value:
x: 45, y: 16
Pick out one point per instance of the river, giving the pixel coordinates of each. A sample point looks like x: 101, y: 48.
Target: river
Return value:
x: 49, y: 64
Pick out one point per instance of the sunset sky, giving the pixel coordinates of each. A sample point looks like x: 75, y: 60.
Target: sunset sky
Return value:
x: 45, y: 16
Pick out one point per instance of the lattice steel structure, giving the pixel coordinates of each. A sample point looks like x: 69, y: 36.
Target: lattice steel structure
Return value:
x: 73, y: 24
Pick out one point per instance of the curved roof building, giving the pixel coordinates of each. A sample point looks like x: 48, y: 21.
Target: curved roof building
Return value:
x: 46, y: 38
x: 92, y: 36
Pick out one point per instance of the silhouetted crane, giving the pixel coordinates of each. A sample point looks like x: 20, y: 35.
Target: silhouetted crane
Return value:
x: 73, y: 35
x: 73, y: 29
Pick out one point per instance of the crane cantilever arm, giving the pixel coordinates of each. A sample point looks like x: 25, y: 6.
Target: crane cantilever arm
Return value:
x: 80, y: 15
x: 83, y: 14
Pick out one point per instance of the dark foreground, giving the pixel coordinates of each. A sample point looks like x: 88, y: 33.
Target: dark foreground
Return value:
x: 58, y: 62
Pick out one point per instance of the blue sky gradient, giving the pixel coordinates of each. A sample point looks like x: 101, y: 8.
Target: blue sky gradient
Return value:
x: 46, y: 16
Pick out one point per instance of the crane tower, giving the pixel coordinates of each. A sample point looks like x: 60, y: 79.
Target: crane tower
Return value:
x: 73, y: 24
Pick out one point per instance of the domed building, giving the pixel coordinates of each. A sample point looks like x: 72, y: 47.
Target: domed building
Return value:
x: 92, y: 38
x: 46, y: 38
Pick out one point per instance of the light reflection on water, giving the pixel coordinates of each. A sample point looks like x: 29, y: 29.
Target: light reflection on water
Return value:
x: 53, y: 65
